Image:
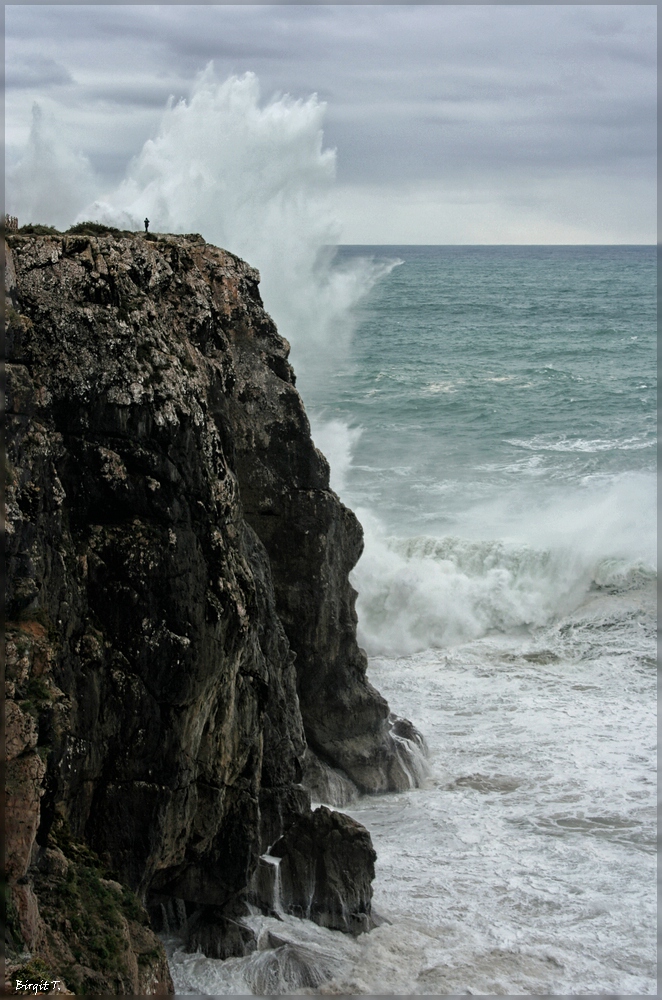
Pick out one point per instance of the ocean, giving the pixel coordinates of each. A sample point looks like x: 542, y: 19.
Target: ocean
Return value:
x: 491, y: 418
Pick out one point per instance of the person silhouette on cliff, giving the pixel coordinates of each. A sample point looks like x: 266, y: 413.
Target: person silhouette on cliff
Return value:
x: 146, y: 224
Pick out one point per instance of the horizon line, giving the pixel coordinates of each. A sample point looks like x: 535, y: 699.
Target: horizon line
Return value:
x: 656, y: 244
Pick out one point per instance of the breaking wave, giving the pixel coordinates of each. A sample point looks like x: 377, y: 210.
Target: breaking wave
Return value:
x: 253, y: 177
x: 548, y: 442
x: 250, y: 175
x: 50, y: 182
x: 421, y: 592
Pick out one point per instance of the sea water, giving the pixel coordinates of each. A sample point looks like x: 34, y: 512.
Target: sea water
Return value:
x: 493, y: 424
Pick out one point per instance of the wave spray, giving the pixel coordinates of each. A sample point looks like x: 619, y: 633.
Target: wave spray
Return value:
x: 256, y: 179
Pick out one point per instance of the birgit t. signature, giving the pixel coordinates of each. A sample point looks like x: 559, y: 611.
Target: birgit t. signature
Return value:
x: 43, y: 986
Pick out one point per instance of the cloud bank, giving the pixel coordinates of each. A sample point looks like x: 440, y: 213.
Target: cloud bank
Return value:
x: 464, y: 123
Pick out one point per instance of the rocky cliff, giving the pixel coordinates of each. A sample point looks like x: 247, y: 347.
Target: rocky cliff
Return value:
x: 181, y: 635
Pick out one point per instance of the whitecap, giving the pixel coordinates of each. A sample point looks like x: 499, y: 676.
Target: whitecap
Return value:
x: 544, y: 442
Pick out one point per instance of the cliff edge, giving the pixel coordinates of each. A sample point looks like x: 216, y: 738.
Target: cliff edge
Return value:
x: 181, y: 634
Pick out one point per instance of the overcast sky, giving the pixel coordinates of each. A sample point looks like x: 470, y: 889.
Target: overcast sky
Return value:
x: 452, y: 124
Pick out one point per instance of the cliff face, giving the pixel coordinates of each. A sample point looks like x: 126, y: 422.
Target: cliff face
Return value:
x: 181, y: 624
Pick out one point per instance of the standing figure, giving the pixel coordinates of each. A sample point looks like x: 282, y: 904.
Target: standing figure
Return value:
x: 146, y: 224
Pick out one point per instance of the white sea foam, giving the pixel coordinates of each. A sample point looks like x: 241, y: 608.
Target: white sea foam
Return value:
x: 526, y: 866
x: 548, y: 442
x: 50, y: 182
x: 253, y: 177
x: 533, y: 565
x: 336, y: 440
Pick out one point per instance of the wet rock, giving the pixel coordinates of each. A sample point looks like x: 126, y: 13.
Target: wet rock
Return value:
x: 211, y: 931
x: 326, y: 871
x: 327, y: 784
x: 265, y: 888
x: 177, y: 591
x: 289, y: 968
x: 408, y: 768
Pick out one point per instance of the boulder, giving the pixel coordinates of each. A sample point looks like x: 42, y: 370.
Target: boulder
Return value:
x: 326, y: 870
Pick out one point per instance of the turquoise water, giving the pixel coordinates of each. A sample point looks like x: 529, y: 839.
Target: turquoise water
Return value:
x: 493, y: 424
x: 473, y: 367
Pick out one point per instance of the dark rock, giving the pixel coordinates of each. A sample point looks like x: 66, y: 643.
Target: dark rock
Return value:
x: 408, y: 768
x: 407, y: 731
x: 177, y: 566
x: 327, y: 784
x: 209, y: 930
x: 313, y: 542
x: 327, y: 866
x: 168, y: 914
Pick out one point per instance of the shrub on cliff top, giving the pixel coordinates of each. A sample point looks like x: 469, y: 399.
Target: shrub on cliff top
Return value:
x: 36, y: 229
x: 93, y: 229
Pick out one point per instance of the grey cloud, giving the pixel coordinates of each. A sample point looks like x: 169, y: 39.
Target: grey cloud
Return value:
x: 38, y: 71
x: 133, y: 95
x: 413, y: 91
x: 111, y: 166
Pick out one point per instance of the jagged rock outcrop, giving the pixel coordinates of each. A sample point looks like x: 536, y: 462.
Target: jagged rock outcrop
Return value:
x: 313, y: 541
x: 178, y: 600
x: 322, y: 855
x: 81, y: 928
